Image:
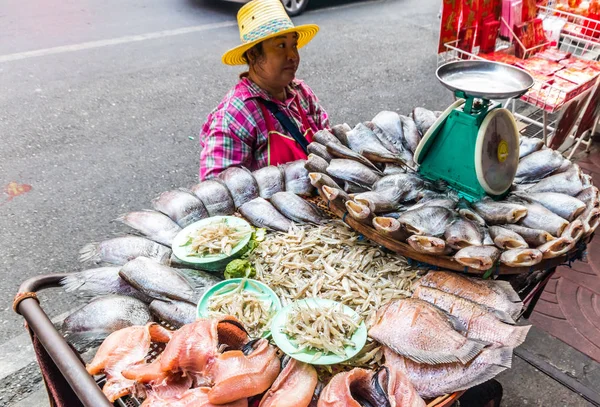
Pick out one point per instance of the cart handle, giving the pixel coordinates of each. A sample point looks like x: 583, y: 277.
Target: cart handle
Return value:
x: 27, y: 305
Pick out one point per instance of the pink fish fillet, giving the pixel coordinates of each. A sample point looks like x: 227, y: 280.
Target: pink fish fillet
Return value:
x: 420, y: 331
x: 120, y: 350
x: 436, y: 380
x: 345, y: 389
x: 400, y: 390
x: 294, y: 387
x: 197, y: 397
x: 236, y: 375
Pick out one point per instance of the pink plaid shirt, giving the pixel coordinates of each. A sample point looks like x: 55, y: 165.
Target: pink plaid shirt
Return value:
x: 235, y: 133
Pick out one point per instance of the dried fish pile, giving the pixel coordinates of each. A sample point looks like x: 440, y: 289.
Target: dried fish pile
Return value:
x: 216, y: 238
x: 333, y: 262
x: 369, y: 171
x: 328, y: 330
x: 454, y: 333
x: 254, y: 312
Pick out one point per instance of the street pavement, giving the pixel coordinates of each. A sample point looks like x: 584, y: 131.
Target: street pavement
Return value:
x: 101, y: 103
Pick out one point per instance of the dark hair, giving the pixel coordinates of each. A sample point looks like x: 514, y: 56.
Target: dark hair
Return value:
x: 257, y: 52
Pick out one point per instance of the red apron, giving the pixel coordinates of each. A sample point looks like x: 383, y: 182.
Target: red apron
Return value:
x: 282, y: 148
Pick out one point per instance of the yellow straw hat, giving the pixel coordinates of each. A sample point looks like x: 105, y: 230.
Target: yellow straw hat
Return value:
x: 259, y: 20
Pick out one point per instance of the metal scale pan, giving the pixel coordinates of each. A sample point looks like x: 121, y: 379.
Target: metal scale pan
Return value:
x: 485, y: 79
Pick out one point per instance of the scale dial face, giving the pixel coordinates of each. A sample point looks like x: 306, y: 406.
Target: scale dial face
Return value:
x: 497, y: 151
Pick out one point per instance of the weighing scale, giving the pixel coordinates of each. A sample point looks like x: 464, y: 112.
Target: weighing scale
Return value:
x: 474, y: 144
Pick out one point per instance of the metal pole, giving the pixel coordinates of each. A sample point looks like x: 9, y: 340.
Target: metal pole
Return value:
x: 63, y: 356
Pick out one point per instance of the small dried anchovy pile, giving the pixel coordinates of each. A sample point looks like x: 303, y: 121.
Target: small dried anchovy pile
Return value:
x: 333, y: 262
x: 217, y: 238
x: 320, y: 328
x: 254, y: 312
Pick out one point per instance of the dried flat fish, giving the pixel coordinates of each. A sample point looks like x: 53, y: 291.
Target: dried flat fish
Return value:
x: 215, y: 196
x: 498, y: 295
x: 477, y: 257
x: 521, y: 257
x: 475, y: 320
x: 507, y: 239
x: 270, y: 180
x: 428, y: 245
x: 241, y: 184
x: 180, y: 205
x: 421, y: 332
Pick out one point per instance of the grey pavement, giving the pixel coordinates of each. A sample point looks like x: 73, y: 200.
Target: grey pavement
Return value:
x: 101, y: 103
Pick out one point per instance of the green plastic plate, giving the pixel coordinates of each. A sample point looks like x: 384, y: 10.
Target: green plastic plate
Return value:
x: 310, y: 356
x: 261, y: 290
x: 216, y: 262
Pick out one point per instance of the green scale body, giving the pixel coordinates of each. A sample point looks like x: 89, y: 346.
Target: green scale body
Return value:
x: 467, y: 149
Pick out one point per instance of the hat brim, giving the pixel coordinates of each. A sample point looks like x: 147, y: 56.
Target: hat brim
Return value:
x: 235, y: 56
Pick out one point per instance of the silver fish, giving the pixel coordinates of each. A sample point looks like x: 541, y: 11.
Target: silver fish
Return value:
x: 538, y: 165
x: 101, y: 281
x: 474, y: 319
x: 565, y: 183
x: 157, y: 280
x: 333, y: 194
x: 443, y: 202
x: 339, y: 131
x: 574, y: 231
x: 353, y: 171
x: 296, y: 208
x: 154, y: 225
x: 590, y: 196
x: 261, y: 213
x: 391, y: 169
x: 103, y: 316
x: 428, y: 245
x: 341, y: 151
x: 316, y: 163
x: 362, y: 140
x: 431, y: 381
x: 412, y: 137
x: 352, y: 188
x: 422, y: 332
x: 175, y: 313
x: 120, y: 250
x: 390, y: 227
x: 270, y: 181
x: 470, y: 214
x: 215, y: 196
x: 556, y: 247
x: 241, y: 184
x: 533, y: 237
x: 423, y: 118
x: 528, y: 145
x: 462, y: 233
x: 590, y: 219
x: 180, y: 205
x: 325, y: 137
x: 427, y: 221
x: 408, y: 185
x: 562, y: 205
x: 478, y: 257
x: 498, y: 213
x: 359, y: 211
x: 521, y: 257
x: 507, y: 239
x: 539, y: 217
x: 385, y: 200
x: 296, y: 178
x: 318, y: 179
x: 320, y: 150
x: 391, y: 126
x: 566, y: 165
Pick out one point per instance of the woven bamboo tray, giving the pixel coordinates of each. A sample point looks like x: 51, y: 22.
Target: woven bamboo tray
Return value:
x: 427, y: 260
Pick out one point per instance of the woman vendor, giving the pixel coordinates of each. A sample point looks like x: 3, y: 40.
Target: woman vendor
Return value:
x: 269, y: 117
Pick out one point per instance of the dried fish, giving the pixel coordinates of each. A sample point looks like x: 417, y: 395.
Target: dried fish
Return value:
x: 325, y: 329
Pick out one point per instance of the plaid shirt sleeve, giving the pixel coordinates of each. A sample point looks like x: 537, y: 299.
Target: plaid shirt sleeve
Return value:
x: 227, y: 138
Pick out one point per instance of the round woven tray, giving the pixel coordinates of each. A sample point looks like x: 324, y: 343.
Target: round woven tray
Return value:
x: 427, y: 260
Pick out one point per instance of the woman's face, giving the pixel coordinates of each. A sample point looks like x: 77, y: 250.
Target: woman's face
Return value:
x: 279, y: 61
